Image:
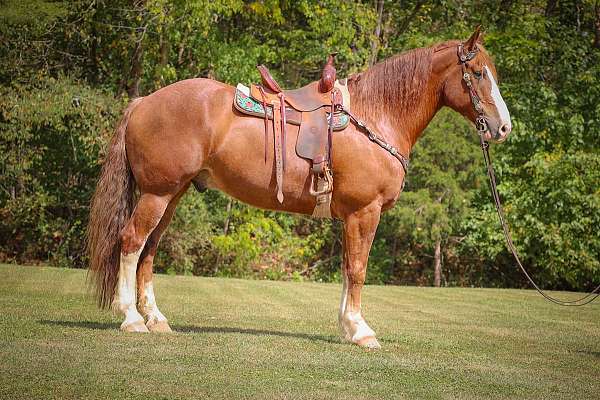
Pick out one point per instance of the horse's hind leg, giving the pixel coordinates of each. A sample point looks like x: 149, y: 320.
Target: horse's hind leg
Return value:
x: 359, y: 231
x: 146, y: 216
x: 155, y: 320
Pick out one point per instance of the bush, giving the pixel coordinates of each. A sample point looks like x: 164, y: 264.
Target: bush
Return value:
x: 51, y: 135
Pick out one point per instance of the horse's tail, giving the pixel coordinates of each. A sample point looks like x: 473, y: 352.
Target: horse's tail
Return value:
x: 111, y: 207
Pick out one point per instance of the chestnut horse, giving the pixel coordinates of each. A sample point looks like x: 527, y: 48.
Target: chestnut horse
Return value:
x: 189, y: 132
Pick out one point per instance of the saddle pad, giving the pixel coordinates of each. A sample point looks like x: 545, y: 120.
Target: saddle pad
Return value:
x: 250, y: 106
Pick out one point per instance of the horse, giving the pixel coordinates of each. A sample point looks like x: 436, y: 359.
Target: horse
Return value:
x: 189, y: 133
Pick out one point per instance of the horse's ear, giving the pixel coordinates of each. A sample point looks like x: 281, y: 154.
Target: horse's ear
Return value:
x: 476, y: 37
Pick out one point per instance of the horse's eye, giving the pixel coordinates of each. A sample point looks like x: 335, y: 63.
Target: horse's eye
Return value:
x: 477, y: 74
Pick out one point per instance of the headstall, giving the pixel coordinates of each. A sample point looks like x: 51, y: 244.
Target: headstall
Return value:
x: 480, y: 122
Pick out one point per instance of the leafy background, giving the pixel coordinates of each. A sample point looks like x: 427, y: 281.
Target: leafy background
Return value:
x: 67, y: 69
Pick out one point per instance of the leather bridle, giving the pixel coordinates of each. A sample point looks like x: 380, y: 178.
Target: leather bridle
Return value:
x: 480, y: 122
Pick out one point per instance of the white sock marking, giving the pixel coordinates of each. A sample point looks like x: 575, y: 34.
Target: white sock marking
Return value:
x: 149, y: 307
x: 344, y: 299
x: 125, y: 296
x: 362, y: 329
x: 353, y: 324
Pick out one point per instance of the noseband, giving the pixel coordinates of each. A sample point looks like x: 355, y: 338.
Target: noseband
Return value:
x: 480, y: 122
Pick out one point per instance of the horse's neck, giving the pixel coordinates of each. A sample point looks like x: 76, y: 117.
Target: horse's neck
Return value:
x: 403, y: 127
x: 443, y: 63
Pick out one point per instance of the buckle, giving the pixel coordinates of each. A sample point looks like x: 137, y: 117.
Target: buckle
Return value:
x: 481, y: 125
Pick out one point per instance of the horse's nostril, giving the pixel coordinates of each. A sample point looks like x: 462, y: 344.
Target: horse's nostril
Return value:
x: 505, y: 129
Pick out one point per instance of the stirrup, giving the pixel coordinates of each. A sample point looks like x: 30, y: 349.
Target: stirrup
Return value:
x: 323, y: 184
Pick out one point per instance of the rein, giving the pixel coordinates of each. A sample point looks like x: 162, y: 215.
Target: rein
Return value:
x: 492, y: 178
x: 481, y: 125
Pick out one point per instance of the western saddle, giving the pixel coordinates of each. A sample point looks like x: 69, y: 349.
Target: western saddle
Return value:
x: 314, y: 108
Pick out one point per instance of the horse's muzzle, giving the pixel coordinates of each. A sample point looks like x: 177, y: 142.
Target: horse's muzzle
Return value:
x: 497, y: 133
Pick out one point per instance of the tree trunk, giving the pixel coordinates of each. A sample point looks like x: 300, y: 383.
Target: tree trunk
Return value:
x: 597, y: 37
x: 375, y: 42
x: 406, y: 22
x: 133, y: 90
x: 551, y: 8
x: 228, y: 217
x: 437, y: 264
x: 93, y: 74
x: 163, y: 60
x: 164, y: 50
x: 137, y: 58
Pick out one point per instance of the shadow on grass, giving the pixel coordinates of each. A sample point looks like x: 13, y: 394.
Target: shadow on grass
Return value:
x: 198, y: 329
x: 590, y: 353
x: 250, y: 331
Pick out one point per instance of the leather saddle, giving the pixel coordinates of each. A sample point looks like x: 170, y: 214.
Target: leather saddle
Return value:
x: 314, y: 108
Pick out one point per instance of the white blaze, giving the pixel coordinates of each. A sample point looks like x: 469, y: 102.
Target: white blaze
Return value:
x: 498, y: 100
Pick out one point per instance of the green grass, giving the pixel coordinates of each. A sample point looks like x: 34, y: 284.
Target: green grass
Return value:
x: 263, y: 340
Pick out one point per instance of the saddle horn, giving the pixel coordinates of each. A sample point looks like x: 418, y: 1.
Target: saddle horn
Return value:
x: 328, y: 75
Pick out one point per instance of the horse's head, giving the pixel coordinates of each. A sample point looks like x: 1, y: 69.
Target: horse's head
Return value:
x: 471, y: 90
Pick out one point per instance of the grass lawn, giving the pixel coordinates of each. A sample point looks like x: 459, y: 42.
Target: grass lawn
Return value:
x: 263, y: 340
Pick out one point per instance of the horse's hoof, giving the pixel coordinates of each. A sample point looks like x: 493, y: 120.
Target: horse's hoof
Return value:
x: 158, y: 326
x: 137, y: 326
x: 369, y: 343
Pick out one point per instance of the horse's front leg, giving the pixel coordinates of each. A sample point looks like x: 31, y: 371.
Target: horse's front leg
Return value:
x: 359, y: 231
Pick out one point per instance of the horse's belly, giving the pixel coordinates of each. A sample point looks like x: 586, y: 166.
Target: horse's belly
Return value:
x: 244, y: 168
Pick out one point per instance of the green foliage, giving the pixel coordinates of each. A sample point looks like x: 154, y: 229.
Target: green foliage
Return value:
x: 561, y: 204
x: 52, y: 134
x: 62, y: 64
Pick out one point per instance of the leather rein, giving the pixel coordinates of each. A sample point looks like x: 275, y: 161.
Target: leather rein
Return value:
x: 482, y: 127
